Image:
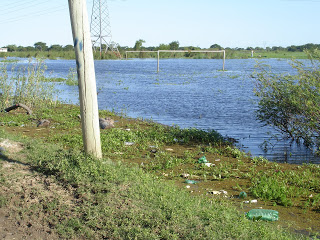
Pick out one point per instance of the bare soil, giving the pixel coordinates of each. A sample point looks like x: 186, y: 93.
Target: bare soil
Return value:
x: 30, y: 203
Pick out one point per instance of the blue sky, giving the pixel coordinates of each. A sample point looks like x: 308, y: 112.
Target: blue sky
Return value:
x: 229, y: 23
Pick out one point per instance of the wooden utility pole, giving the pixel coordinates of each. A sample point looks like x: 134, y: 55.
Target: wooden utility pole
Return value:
x: 86, y: 77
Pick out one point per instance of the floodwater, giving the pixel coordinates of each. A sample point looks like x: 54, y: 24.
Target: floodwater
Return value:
x: 190, y: 93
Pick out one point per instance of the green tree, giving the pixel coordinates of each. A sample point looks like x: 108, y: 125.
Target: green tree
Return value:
x: 29, y: 48
x: 41, y: 46
x: 291, y: 103
x: 12, y: 48
x: 138, y: 44
x: 163, y: 46
x: 216, y: 46
x: 174, y: 45
x: 68, y: 48
x: 55, y: 47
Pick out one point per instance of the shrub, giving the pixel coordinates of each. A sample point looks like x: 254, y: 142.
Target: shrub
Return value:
x: 291, y: 103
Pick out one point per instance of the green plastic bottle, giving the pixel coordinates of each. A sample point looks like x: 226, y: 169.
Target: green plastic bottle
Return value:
x: 243, y: 195
x: 263, y: 214
x: 203, y: 160
x: 190, y: 181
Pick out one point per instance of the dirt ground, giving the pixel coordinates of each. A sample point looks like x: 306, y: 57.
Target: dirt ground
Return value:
x: 27, y: 196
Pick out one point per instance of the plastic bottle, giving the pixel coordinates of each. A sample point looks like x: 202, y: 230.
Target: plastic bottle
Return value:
x: 190, y: 181
x: 203, y: 160
x: 263, y: 214
x: 243, y: 195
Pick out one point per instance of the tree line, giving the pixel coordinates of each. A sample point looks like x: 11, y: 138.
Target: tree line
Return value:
x: 174, y: 45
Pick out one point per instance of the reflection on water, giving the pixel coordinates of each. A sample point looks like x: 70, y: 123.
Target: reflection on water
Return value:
x: 190, y: 93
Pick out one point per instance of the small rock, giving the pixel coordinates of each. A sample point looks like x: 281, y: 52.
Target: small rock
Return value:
x: 43, y: 123
x: 106, y: 123
x: 128, y: 143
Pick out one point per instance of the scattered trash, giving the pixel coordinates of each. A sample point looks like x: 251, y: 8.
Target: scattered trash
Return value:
x: 169, y: 149
x: 203, y: 160
x: 251, y: 201
x: 223, y: 192
x: 243, y: 195
x: 187, y: 186
x: 209, y: 164
x: 190, y: 181
x: 214, y: 192
x: 220, y: 192
x: 128, y: 143
x: 128, y: 129
x: 118, y: 153
x: 185, y: 175
x: 263, y: 214
x: 217, y: 160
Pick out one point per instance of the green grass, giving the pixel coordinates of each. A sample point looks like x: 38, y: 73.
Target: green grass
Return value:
x: 121, y: 202
x: 125, y: 195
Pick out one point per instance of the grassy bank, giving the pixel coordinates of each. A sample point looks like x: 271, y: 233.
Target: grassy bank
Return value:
x: 138, y: 190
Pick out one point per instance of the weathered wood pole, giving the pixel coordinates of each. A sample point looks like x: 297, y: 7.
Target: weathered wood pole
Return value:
x: 86, y: 77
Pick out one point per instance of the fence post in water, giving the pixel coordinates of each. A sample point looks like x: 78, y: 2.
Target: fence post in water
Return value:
x: 224, y: 59
x: 158, y: 61
x: 86, y: 77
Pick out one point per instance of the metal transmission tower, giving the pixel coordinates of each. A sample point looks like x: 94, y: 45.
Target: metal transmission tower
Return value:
x: 100, y: 28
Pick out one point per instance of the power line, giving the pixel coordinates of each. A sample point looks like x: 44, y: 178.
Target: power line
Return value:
x: 22, y: 9
x: 18, y: 7
x: 34, y: 14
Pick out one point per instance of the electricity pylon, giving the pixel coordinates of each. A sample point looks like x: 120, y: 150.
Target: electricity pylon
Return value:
x: 100, y: 28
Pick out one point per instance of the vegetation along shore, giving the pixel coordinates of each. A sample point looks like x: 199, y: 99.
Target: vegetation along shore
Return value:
x: 154, y: 181
x: 41, y: 50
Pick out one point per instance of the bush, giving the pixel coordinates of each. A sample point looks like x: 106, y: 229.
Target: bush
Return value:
x: 291, y: 103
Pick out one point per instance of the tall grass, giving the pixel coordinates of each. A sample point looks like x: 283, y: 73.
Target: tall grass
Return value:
x: 25, y: 85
